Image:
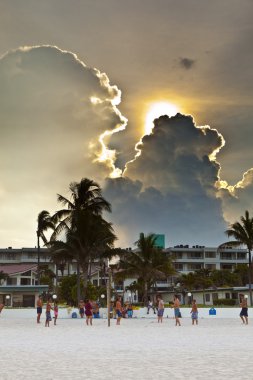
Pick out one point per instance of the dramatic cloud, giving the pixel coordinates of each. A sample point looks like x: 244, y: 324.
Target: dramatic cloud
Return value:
x: 53, y: 111
x: 186, y: 63
x: 59, y: 122
x: 170, y: 187
x: 236, y: 199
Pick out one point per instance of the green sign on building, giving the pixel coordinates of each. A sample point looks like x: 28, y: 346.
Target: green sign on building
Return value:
x: 160, y: 241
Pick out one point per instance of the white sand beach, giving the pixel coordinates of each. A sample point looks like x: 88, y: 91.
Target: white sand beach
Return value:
x: 138, y: 349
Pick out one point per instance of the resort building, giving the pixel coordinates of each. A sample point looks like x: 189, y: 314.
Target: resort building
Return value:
x: 18, y: 289
x: 188, y: 259
x: 21, y: 267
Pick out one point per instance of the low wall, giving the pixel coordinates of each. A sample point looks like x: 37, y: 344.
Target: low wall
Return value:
x: 140, y: 313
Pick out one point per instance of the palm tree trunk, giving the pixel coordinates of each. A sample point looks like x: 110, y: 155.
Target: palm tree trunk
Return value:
x: 85, y: 275
x: 38, y: 250
x: 250, y: 287
x: 56, y: 277
x: 78, y: 282
x: 145, y: 298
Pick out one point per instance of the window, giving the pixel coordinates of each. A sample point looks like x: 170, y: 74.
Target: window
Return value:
x: 95, y: 282
x: 215, y: 296
x: 227, y: 256
x: 210, y: 266
x: 210, y: 255
x: 178, y: 255
x: 227, y: 296
x: 195, y: 255
x: 227, y: 266
x: 241, y: 256
x: 28, y: 273
x: 207, y: 297
x: 25, y: 281
x: 178, y: 266
x: 12, y: 281
x: 195, y: 266
x: 74, y: 267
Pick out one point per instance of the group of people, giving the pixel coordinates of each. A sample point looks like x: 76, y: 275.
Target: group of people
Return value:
x: 194, y: 310
x: 49, y: 307
x: 176, y: 306
x: 87, y: 308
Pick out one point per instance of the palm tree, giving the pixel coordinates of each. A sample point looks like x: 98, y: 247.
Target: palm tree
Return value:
x: 148, y: 263
x: 44, y: 222
x: 85, y: 195
x: 91, y: 237
x: 61, y: 255
x: 88, y: 240
x: 243, y: 233
x: 85, y: 229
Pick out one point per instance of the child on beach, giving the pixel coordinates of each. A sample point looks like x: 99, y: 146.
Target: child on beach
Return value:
x: 55, y: 312
x: 88, y: 312
x: 48, y: 313
x: 194, y: 312
x: 81, y: 308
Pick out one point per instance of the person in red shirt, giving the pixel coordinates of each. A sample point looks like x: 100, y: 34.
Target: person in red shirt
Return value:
x: 88, y: 312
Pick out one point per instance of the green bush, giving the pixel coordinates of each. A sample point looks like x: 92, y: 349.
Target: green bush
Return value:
x: 224, y: 302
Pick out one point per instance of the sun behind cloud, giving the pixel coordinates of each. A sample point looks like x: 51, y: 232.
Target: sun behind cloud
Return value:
x: 158, y: 109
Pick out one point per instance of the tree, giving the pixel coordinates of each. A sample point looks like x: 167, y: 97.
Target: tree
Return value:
x: 44, y: 222
x: 243, y: 233
x: 225, y: 278
x: 81, y: 220
x: 148, y: 263
x: 65, y: 289
x: 91, y: 237
x: 85, y: 195
x: 61, y: 255
x: 200, y: 279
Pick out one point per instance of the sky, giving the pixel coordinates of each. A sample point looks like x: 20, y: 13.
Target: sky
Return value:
x: 77, y: 81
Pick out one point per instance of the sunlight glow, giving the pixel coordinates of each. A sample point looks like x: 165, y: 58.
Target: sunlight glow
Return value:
x: 156, y: 110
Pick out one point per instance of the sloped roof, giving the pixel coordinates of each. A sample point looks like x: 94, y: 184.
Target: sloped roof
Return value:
x: 17, y: 268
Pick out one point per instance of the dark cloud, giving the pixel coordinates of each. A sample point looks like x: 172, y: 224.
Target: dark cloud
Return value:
x: 170, y: 186
x: 187, y: 63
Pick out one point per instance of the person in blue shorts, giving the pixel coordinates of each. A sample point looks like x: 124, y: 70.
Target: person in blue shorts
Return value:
x: 244, y: 311
x: 48, y: 313
x: 160, y: 310
x: 177, y: 312
x: 81, y: 308
x: 118, y: 310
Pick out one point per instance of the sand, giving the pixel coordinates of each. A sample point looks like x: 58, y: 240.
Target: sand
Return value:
x: 137, y: 349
